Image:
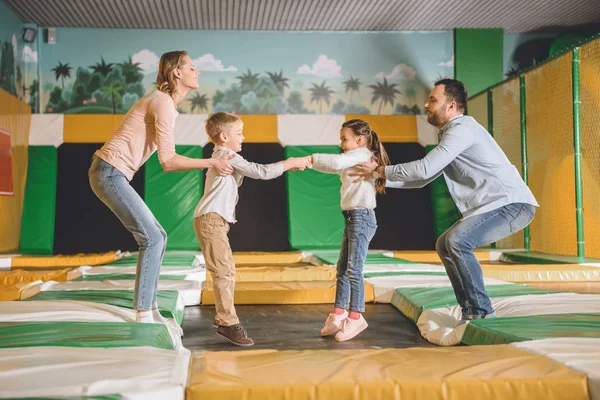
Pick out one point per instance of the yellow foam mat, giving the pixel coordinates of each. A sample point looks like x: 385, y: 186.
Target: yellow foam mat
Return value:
x: 525, y: 273
x: 16, y: 276
x: 18, y: 291
x: 574, y: 287
x: 283, y: 273
x: 431, y: 257
x: 313, y: 292
x: 458, y: 373
x: 267, y: 258
x: 64, y: 261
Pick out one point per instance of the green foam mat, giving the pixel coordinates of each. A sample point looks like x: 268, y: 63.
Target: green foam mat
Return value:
x: 331, y: 257
x: 401, y: 273
x: 533, y: 257
x: 518, y: 329
x: 169, y: 260
x: 108, y: 397
x: 84, y: 334
x: 167, y: 299
x: 124, y: 277
x: 412, y: 301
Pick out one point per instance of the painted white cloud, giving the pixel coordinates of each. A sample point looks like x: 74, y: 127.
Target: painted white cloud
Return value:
x: 148, y: 61
x: 29, y: 56
x: 447, y: 63
x: 399, y: 72
x: 323, y: 67
x: 207, y: 62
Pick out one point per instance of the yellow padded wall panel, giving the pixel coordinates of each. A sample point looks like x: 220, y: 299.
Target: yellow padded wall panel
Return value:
x: 90, y: 128
x: 15, y: 118
x: 391, y: 128
x: 260, y: 128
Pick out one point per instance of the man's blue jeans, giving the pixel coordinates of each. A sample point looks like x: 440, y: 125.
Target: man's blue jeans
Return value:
x: 361, y: 225
x: 455, y: 248
x: 112, y: 187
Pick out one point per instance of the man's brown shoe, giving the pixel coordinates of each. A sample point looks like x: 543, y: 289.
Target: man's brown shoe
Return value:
x: 215, y: 323
x: 236, y: 334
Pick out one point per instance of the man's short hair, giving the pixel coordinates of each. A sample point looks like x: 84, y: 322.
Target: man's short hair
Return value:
x: 455, y: 91
x: 220, y: 122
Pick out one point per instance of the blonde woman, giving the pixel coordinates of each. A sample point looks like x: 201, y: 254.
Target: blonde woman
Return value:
x: 148, y: 127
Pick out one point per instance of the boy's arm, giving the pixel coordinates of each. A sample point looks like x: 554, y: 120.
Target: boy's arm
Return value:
x: 267, y: 171
x: 335, y: 163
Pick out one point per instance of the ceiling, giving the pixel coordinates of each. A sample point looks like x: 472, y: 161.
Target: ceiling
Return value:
x: 515, y: 16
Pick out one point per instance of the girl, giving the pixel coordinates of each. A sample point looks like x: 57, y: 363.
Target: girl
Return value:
x: 148, y: 126
x: 359, y: 144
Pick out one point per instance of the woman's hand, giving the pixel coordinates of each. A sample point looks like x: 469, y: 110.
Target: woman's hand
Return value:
x: 222, y: 166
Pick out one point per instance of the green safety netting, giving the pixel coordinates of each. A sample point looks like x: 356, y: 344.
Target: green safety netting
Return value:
x: 517, y: 329
x: 84, y: 334
x: 167, y: 299
x: 173, y: 197
x: 331, y: 257
x: 412, y: 301
x: 39, y: 206
x: 124, y: 277
x: 169, y: 260
x: 314, y: 212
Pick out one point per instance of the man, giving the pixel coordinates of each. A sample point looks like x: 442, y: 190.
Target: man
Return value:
x: 487, y: 189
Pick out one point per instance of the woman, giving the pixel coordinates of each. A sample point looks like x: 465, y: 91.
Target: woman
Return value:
x: 147, y: 127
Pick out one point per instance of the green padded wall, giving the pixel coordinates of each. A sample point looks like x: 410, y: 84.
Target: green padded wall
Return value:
x: 314, y: 212
x: 479, y: 55
x: 173, y: 197
x: 445, y: 213
x: 39, y: 208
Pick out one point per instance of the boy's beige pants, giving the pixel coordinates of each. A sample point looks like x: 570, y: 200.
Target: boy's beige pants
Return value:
x: 211, y: 230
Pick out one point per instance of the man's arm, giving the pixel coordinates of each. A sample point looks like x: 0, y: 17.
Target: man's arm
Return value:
x: 410, y: 185
x: 456, y: 140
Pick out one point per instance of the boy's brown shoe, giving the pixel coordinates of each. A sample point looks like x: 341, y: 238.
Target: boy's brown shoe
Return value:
x: 236, y: 334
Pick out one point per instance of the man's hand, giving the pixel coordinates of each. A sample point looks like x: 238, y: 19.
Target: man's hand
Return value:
x: 364, y: 170
x: 222, y: 166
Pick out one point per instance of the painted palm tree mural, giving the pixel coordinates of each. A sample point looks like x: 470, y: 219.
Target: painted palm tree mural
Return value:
x: 352, y: 85
x: 102, y: 67
x: 298, y: 73
x: 279, y: 80
x: 131, y: 71
x: 199, y: 102
x: 62, y: 71
x: 384, y: 92
x: 319, y: 94
x: 248, y: 80
x: 101, y: 88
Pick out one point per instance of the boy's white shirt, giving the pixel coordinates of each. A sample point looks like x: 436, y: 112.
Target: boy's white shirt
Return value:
x: 353, y: 195
x: 221, y: 192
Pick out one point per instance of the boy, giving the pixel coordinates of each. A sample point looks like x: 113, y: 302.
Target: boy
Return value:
x: 216, y: 211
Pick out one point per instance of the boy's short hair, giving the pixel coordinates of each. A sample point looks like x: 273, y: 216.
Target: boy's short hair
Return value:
x: 220, y: 122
